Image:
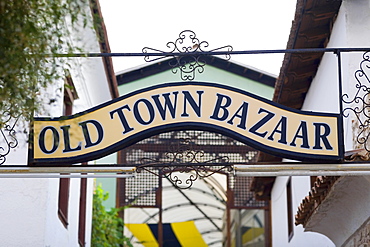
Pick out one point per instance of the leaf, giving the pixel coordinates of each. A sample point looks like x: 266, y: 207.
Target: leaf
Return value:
x: 107, y: 226
x: 28, y: 31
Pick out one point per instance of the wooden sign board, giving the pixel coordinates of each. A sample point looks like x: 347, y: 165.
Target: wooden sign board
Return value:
x: 253, y: 120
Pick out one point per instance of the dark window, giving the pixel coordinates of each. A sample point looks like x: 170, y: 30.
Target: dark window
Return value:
x: 290, y: 208
x: 63, y: 200
x: 69, y: 96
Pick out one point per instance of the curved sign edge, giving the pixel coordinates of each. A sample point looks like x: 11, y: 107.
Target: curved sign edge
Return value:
x: 193, y: 99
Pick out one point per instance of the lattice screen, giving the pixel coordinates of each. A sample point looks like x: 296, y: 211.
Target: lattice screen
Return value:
x: 242, y: 196
x: 212, y: 144
x: 141, y: 191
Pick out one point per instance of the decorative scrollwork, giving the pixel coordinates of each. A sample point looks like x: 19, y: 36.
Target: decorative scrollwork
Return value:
x: 7, y: 138
x: 194, y: 172
x: 185, y: 158
x: 187, y: 43
x: 360, y: 102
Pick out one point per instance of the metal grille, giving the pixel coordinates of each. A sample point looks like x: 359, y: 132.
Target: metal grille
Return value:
x: 141, y: 191
x: 242, y: 196
x: 213, y: 144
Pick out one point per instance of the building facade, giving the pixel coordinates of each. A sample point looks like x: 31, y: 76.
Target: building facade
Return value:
x: 298, y: 210
x: 324, y: 210
x: 57, y: 211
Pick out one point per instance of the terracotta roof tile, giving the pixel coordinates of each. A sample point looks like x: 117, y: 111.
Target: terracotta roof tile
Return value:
x: 317, y: 194
x: 357, y: 155
x: 322, y: 186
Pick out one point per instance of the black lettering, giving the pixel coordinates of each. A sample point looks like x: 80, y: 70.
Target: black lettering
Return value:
x: 304, y: 136
x: 86, y: 133
x: 243, y: 116
x: 260, y: 123
x: 67, y: 142
x: 150, y: 111
x: 196, y: 107
x: 281, y: 128
x: 219, y: 106
x: 122, y: 117
x: 167, y: 103
x: 323, y: 137
x: 42, y: 140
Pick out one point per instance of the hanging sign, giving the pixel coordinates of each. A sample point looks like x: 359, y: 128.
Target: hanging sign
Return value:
x: 248, y: 118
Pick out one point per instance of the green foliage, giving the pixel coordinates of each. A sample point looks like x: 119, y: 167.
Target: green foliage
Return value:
x: 107, y: 226
x: 31, y: 31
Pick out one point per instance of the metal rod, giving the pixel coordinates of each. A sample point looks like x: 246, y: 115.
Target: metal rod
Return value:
x: 298, y: 169
x: 302, y: 166
x: 75, y: 169
x: 302, y: 173
x: 171, y: 54
x: 230, y: 198
x: 340, y: 88
x: 50, y: 175
x: 160, y: 212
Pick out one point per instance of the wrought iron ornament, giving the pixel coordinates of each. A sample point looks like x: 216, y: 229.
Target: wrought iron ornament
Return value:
x: 185, y: 158
x: 360, y: 103
x: 8, y: 139
x: 187, y: 43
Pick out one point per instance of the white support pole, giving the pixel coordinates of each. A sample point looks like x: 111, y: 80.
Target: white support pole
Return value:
x: 299, y: 169
x: 74, y: 169
x: 54, y: 175
x: 66, y: 172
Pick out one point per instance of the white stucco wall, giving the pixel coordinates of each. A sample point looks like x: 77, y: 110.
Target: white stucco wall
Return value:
x: 323, y: 95
x: 351, y: 29
x: 300, y: 188
x: 22, y: 211
x: 28, y: 206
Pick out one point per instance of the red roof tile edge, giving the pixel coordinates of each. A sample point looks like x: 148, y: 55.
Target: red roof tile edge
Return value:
x: 322, y: 186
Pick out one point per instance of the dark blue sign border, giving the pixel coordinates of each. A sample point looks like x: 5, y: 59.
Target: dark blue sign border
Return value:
x: 190, y: 126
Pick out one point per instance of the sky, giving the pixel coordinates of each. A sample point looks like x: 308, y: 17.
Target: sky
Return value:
x: 243, y: 24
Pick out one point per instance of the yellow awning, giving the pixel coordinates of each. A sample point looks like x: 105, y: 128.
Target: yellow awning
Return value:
x: 181, y: 234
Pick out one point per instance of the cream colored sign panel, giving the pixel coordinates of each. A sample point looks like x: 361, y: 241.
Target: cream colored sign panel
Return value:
x: 238, y: 114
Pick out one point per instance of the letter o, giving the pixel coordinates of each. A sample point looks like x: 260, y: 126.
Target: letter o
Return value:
x: 42, y: 140
x: 137, y: 112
